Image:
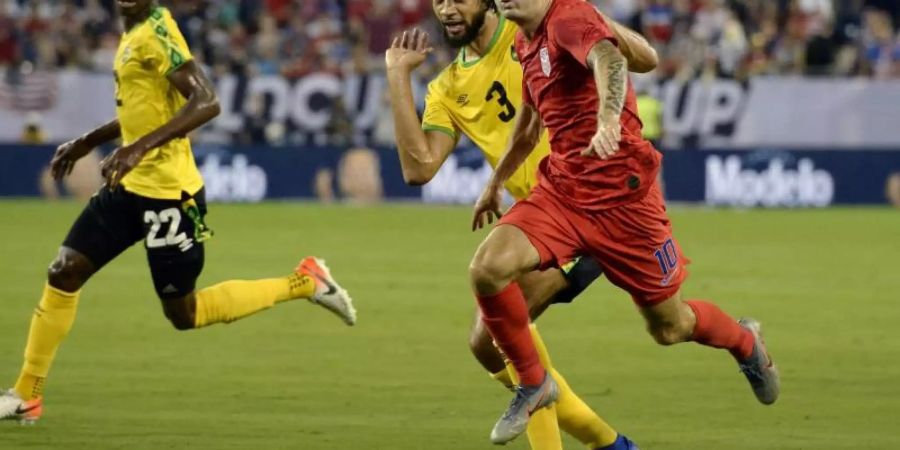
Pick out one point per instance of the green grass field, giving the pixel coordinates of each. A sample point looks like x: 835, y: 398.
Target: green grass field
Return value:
x: 825, y: 284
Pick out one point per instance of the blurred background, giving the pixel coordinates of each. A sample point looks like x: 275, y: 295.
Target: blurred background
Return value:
x: 779, y: 103
x: 790, y: 105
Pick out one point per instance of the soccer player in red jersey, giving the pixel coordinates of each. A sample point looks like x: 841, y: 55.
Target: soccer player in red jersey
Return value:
x: 597, y: 195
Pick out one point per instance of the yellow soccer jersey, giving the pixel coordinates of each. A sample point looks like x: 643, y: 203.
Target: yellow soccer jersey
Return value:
x: 480, y: 99
x: 145, y: 100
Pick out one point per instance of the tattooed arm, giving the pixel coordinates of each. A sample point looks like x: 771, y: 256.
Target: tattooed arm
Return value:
x: 641, y: 56
x: 611, y: 77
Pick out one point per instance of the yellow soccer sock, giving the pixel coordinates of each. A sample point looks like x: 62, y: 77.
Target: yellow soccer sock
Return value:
x: 575, y: 416
x: 578, y: 419
x: 50, y: 324
x: 543, y: 430
x: 505, y: 378
x: 236, y: 299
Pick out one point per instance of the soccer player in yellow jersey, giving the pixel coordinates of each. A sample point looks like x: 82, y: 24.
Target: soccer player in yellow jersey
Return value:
x: 478, y: 95
x: 153, y: 193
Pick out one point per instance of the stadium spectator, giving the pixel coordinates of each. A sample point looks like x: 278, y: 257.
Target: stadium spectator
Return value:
x: 295, y: 38
x: 881, y: 45
x: 33, y: 133
x: 292, y: 37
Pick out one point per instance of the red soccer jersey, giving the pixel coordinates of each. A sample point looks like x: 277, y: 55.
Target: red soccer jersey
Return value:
x: 560, y: 85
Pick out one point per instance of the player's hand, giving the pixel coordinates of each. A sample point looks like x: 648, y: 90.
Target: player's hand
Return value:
x: 487, y: 208
x: 605, y: 143
x: 66, y: 156
x: 115, y: 166
x: 408, y: 50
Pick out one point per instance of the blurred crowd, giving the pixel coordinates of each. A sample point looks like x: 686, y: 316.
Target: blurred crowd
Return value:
x: 293, y: 38
x: 731, y: 38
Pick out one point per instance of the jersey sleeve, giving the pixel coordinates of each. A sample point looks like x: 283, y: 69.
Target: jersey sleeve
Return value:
x: 166, y: 50
x: 577, y: 31
x: 526, y: 93
x: 436, y: 116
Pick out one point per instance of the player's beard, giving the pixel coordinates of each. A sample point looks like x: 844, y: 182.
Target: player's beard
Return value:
x: 472, y: 31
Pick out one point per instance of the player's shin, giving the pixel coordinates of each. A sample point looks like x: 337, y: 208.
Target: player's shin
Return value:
x: 543, y: 428
x: 575, y: 417
x: 51, y: 322
x: 715, y: 328
x: 236, y: 299
x: 578, y: 420
x: 505, y: 315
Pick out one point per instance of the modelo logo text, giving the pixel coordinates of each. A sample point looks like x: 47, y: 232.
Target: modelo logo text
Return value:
x: 729, y: 183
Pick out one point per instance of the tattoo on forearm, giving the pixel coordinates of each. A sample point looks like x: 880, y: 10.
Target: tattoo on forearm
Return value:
x: 615, y: 100
x: 611, y: 76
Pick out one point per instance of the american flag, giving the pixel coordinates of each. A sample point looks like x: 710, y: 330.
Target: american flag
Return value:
x: 33, y: 91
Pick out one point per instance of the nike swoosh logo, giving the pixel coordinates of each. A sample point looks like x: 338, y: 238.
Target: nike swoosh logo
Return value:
x: 665, y: 281
x: 538, y: 402
x: 332, y: 289
x: 20, y: 411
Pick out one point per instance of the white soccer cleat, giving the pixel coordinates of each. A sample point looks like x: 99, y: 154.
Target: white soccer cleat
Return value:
x: 12, y: 407
x: 759, y: 368
x: 329, y: 294
x: 527, y: 400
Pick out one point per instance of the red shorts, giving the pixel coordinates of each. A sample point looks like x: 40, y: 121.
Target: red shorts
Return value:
x: 633, y: 243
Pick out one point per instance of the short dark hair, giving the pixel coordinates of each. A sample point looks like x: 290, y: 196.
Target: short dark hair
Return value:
x: 491, y: 5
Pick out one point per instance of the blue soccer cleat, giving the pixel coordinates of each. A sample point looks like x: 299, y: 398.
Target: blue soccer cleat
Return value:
x: 622, y: 443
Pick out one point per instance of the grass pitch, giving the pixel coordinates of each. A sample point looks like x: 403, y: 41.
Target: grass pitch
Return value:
x: 825, y: 284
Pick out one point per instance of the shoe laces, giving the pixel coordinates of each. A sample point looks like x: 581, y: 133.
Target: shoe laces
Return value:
x: 752, y: 372
x: 517, y: 401
x: 753, y: 368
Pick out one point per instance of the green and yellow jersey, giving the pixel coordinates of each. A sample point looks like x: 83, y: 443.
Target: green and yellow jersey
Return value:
x: 480, y: 99
x: 146, y: 100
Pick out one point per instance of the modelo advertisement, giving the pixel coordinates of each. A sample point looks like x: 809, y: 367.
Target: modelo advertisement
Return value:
x: 727, y: 178
x: 779, y: 178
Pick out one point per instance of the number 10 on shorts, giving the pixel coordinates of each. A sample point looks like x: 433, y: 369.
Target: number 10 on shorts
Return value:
x: 667, y: 257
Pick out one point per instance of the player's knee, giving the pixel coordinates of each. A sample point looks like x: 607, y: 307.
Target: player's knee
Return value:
x: 69, y: 271
x: 488, y: 275
x: 180, y: 312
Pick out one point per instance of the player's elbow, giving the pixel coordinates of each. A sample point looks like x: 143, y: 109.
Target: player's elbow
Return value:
x: 418, y: 171
x: 204, y: 103
x: 646, y: 63
x: 418, y: 177
x: 211, y: 108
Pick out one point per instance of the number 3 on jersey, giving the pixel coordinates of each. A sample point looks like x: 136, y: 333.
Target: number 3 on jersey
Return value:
x: 500, y: 92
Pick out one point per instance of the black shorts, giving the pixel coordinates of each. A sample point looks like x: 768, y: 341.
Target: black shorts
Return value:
x: 580, y: 273
x: 173, y: 232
